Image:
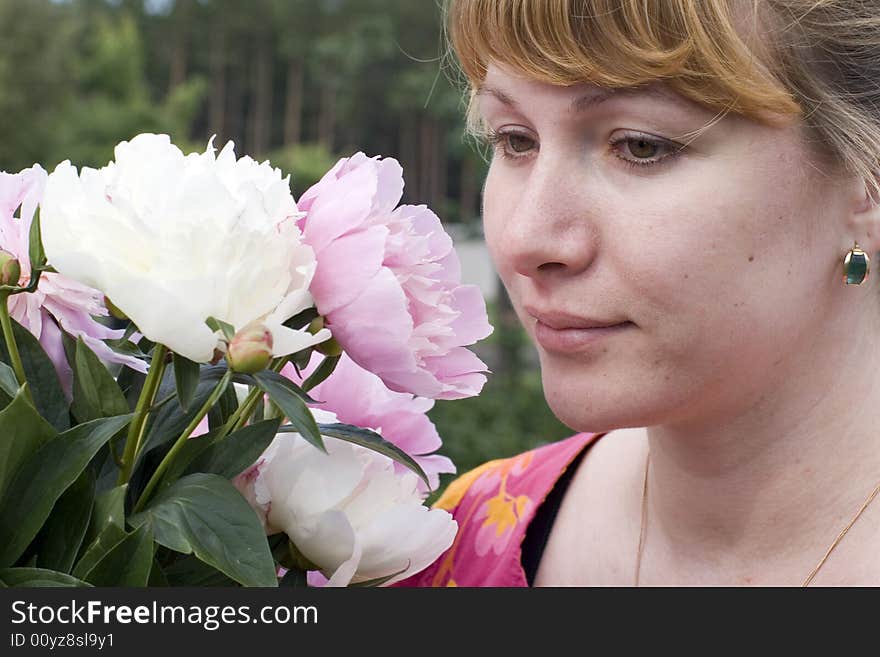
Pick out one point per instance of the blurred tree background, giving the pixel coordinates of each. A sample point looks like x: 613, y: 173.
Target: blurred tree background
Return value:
x: 300, y: 82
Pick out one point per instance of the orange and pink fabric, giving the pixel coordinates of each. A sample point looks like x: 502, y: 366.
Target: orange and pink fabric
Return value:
x: 493, y: 505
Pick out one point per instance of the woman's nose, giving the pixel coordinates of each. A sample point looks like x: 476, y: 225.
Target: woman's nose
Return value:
x: 551, y: 228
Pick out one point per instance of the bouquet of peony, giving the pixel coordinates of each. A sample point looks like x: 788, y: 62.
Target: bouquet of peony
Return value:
x: 205, y: 382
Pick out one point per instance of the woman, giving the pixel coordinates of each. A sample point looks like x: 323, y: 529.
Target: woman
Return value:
x: 681, y: 203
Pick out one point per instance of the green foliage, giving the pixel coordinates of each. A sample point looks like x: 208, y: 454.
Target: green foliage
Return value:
x: 95, y: 393
x: 64, y: 531
x: 306, y: 164
x: 37, y: 577
x: 237, y: 451
x: 78, y: 93
x: 292, y: 403
x: 509, y: 417
x: 41, y: 376
x: 20, y: 419
x: 204, y: 514
x: 82, y: 75
x: 77, y: 77
x: 42, y: 478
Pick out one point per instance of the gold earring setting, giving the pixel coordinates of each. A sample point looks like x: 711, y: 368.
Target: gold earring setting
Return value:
x: 856, y: 266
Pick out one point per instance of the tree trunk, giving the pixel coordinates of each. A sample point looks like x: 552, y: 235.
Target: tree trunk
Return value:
x: 261, y: 114
x: 217, y: 108
x: 409, y: 154
x: 467, y: 198
x: 438, y: 177
x: 426, y: 156
x: 327, y: 116
x: 508, y: 337
x: 235, y: 108
x: 294, y: 102
x: 178, y: 63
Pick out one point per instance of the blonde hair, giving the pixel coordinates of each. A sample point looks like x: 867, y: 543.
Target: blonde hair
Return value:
x: 768, y: 60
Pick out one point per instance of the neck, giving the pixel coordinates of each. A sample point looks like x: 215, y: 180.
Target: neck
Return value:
x: 761, y: 495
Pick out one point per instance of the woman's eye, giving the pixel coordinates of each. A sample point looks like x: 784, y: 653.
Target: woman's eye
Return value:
x: 511, y: 145
x: 641, y: 150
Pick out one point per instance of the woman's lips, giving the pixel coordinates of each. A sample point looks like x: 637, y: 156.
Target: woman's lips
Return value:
x: 575, y: 339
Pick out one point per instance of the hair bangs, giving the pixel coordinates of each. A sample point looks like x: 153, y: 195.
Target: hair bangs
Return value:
x: 700, y: 49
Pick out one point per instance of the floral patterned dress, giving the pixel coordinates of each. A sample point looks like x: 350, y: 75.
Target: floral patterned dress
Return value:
x: 494, y: 505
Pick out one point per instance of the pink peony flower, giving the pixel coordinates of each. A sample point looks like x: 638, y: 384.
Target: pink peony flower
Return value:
x: 58, y: 302
x: 359, y: 397
x: 388, y: 282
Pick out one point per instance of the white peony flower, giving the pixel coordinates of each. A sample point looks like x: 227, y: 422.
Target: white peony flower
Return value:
x: 346, y: 511
x: 173, y: 240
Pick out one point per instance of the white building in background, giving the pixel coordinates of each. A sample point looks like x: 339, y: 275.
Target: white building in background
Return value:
x: 476, y: 266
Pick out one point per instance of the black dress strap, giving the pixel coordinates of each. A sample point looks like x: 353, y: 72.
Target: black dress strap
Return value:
x: 539, y: 529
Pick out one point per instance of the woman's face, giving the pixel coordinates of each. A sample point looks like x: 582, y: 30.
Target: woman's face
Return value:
x: 720, y: 262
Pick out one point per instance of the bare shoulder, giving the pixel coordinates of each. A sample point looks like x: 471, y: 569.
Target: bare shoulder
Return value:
x: 597, y: 524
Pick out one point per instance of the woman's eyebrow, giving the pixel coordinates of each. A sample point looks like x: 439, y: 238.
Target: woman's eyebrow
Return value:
x: 586, y: 101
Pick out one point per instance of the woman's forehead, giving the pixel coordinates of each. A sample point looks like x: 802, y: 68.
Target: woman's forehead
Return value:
x: 511, y: 89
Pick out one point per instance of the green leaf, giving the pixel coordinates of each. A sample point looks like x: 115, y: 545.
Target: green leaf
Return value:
x: 279, y: 390
x: 284, y: 382
x: 109, y: 510
x: 111, y: 536
x: 228, y: 330
x: 190, y: 571
x: 378, y: 581
x: 8, y: 382
x: 37, y: 577
x: 167, y: 422
x: 131, y: 382
x: 300, y: 359
x: 223, y: 409
x: 126, y: 347
x: 42, y: 479
x: 95, y: 392
x: 213, y: 373
x: 370, y: 440
x: 22, y: 433
x: 303, y: 318
x: 157, y: 575
x: 323, y: 370
x: 236, y: 452
x: 36, y: 253
x: 42, y: 379
x: 204, y: 514
x: 186, y: 375
x: 294, y: 577
x: 191, y: 449
x: 127, y: 563
x: 63, y: 533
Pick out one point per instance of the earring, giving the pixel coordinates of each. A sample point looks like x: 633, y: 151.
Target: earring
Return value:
x: 856, y: 266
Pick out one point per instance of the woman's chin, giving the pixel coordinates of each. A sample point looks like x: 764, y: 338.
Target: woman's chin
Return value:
x: 595, y: 404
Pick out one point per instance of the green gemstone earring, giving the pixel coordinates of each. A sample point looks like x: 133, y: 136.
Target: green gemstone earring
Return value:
x: 856, y: 266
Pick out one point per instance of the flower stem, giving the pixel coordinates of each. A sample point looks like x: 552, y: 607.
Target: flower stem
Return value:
x: 11, y: 345
x: 243, y: 411
x: 141, y: 412
x: 237, y: 420
x: 181, y: 441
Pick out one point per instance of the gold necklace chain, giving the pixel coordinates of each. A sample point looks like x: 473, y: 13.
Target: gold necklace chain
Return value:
x: 809, y: 578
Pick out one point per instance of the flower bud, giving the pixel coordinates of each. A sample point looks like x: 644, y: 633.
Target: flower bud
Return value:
x: 10, y: 269
x: 114, y: 311
x: 250, y: 350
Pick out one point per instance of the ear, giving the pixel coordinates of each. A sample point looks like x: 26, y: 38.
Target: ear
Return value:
x: 864, y: 217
